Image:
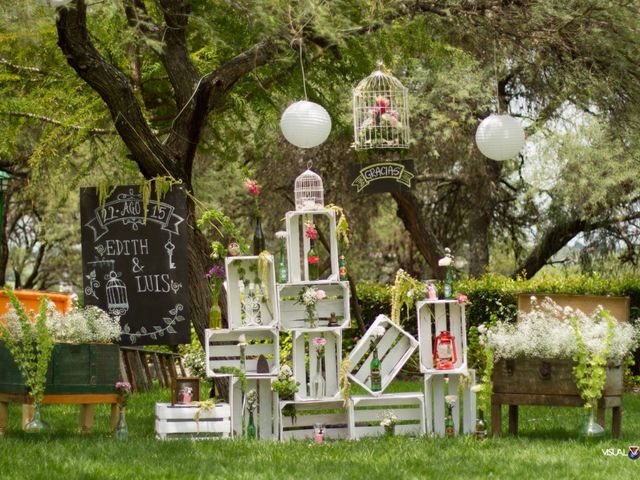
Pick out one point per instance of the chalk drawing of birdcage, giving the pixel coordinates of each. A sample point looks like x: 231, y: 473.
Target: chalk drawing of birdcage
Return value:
x: 117, y: 300
x: 380, y: 112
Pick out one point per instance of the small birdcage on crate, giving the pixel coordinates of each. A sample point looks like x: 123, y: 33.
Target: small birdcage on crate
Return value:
x: 380, y: 112
x: 309, y: 191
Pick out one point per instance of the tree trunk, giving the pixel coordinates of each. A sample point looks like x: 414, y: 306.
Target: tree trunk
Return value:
x: 409, y: 212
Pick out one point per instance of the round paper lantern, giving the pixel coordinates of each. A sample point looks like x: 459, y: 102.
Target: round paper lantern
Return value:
x: 305, y: 124
x: 500, y: 137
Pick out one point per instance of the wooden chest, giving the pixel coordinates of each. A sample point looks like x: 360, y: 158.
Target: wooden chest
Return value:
x: 539, y: 376
x: 86, y: 368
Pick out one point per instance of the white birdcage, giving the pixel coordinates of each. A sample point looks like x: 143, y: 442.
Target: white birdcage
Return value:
x: 380, y: 113
x: 309, y: 192
x: 117, y: 300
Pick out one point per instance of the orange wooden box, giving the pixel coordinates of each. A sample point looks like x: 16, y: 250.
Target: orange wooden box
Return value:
x: 31, y: 300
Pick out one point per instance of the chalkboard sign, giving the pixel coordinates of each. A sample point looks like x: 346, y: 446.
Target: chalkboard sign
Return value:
x: 380, y: 177
x: 136, y: 266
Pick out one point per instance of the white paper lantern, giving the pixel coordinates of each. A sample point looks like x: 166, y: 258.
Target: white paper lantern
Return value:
x: 305, y: 124
x: 500, y: 137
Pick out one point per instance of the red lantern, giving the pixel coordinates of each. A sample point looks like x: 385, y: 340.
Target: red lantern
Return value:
x: 444, y: 351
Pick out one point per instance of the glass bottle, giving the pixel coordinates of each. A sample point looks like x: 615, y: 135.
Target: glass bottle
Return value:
x: 342, y: 265
x: 481, y: 426
x: 283, y: 271
x: 215, y: 314
x: 122, y: 430
x: 258, y: 238
x: 251, y: 427
x: 312, y: 261
x: 448, y: 283
x: 36, y: 425
x: 592, y: 429
x: 318, y: 385
x: 449, y: 426
x: 376, y: 377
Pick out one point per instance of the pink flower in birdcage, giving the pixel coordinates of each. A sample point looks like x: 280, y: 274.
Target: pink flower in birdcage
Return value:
x: 382, y: 104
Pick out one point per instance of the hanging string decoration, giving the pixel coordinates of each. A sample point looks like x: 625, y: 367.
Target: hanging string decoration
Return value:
x: 380, y: 112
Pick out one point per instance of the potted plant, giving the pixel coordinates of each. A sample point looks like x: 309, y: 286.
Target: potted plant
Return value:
x: 83, y: 357
x: 559, y: 352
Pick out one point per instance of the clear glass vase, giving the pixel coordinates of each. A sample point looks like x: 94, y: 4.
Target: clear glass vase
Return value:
x: 481, y: 426
x: 318, y: 384
x: 122, y: 430
x: 312, y: 317
x: 389, y: 430
x: 592, y: 429
x: 283, y: 270
x: 37, y: 425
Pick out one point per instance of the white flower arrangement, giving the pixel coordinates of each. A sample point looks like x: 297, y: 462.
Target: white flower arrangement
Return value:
x: 388, y: 419
x: 451, y: 400
x: 252, y: 400
x: 281, y: 235
x: 547, y: 332
x: 83, y: 325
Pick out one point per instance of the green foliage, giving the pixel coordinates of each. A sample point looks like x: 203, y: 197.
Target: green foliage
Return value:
x: 222, y: 225
x: 590, y: 369
x: 494, y: 297
x: 31, y: 347
x: 236, y: 372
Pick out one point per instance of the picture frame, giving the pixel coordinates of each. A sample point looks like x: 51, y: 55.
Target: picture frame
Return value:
x: 185, y: 390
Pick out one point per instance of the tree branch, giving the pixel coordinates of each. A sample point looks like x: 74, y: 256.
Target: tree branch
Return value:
x: 114, y: 88
x: 42, y: 118
x: 23, y: 68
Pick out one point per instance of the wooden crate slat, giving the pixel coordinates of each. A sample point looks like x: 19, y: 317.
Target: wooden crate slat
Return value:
x: 298, y: 244
x: 433, y: 318
x: 177, y: 421
x: 265, y: 415
x: 435, y: 391
x: 304, y: 373
x: 293, y: 314
x: 393, y: 354
x: 330, y: 413
x: 365, y: 414
x: 269, y: 307
x: 219, y: 353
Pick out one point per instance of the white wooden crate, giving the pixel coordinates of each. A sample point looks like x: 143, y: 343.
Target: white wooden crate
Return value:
x: 436, y: 387
x: 434, y: 316
x: 293, y: 315
x: 365, y: 414
x: 394, y: 349
x: 265, y: 414
x: 179, y: 421
x: 268, y: 304
x: 330, y: 413
x: 298, y: 244
x: 304, y: 371
x: 222, y: 350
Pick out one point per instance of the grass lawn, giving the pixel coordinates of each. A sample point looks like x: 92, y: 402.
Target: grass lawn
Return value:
x: 546, y: 448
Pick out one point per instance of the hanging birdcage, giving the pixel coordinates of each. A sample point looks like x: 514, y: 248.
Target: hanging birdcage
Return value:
x: 117, y: 300
x: 309, y: 191
x: 380, y: 113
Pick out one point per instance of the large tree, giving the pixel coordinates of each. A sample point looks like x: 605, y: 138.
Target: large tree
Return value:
x: 170, y: 71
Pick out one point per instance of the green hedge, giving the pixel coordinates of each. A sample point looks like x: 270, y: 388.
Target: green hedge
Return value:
x: 495, y: 297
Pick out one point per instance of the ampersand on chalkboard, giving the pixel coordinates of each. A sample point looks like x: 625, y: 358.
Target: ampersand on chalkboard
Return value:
x: 136, y: 268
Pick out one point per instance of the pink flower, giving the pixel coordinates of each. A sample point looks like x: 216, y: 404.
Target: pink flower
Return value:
x: 462, y: 298
x: 319, y: 341
x: 382, y: 104
x: 252, y: 187
x: 321, y: 294
x: 310, y: 231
